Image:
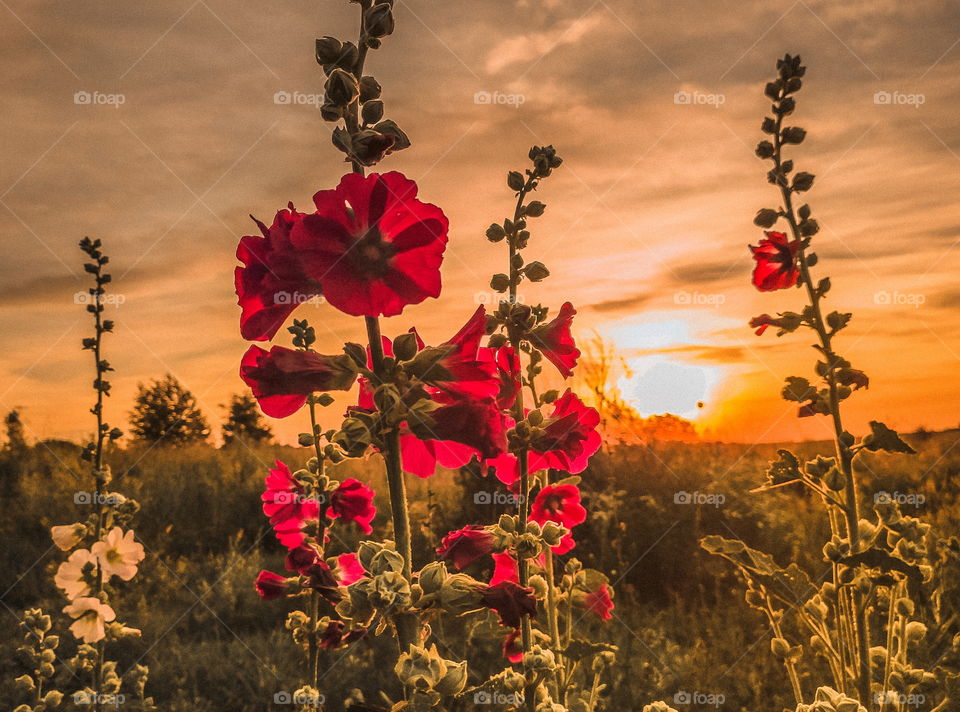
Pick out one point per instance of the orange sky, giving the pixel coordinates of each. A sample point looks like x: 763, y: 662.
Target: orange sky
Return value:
x: 647, y: 221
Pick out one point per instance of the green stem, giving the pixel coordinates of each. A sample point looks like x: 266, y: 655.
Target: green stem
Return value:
x: 844, y: 458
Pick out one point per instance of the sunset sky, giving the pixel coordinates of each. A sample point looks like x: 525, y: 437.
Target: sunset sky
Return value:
x: 654, y: 106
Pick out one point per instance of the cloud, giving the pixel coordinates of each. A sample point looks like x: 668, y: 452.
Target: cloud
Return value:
x: 533, y: 46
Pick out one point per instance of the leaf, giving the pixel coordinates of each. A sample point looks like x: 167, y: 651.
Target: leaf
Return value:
x: 883, y: 438
x: 791, y: 586
x: 798, y: 389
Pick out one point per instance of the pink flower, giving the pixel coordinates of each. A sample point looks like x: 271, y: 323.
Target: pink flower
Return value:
x: 353, y: 501
x: 372, y: 246
x: 89, y: 614
x: 479, y: 425
x: 272, y: 283
x: 560, y: 504
x: 271, y: 586
x: 349, y: 569
x: 511, y: 601
x: 566, y: 441
x: 294, y: 532
x: 505, y: 568
x: 512, y: 647
x: 464, y: 546
x: 282, y: 379
x: 556, y: 342
x: 284, y: 497
x: 776, y: 262
x: 599, y: 602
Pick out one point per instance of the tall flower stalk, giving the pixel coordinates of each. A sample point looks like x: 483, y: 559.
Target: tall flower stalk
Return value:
x: 881, y: 581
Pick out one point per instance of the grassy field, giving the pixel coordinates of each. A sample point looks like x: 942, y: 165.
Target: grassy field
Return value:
x: 680, y: 621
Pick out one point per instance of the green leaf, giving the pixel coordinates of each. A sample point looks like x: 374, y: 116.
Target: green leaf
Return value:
x: 791, y: 586
x: 884, y: 438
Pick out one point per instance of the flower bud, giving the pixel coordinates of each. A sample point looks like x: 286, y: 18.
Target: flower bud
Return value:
x: 539, y: 585
x: 25, y: 683
x: 802, y: 181
x: 454, y: 681
x: 53, y: 699
x: 328, y: 50
x: 766, y: 217
x: 378, y: 20
x: 369, y: 88
x: 405, y: 346
x: 536, y: 272
x: 500, y: 282
x: 515, y: 181
x: 372, y: 111
x: 765, y: 149
x: 534, y: 209
x: 793, y: 134
x: 779, y: 647
x: 432, y: 576
x: 460, y: 594
x: 342, y: 88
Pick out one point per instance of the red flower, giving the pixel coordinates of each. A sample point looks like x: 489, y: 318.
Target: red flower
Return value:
x: 334, y: 636
x: 560, y: 504
x: 270, y: 585
x: 372, y: 245
x: 511, y: 602
x: 348, y: 569
x: 479, y: 425
x: 599, y: 602
x: 321, y: 579
x: 421, y: 457
x: 508, y: 372
x: 556, y: 342
x: 760, y: 323
x: 293, y: 532
x: 776, y: 262
x: 566, y: 441
x: 272, y: 282
x: 464, y: 546
x: 301, y: 558
x: 284, y: 497
x: 512, y: 648
x: 505, y: 568
x: 353, y: 501
x: 282, y: 379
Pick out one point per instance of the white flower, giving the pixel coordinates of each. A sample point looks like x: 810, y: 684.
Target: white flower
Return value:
x: 67, y: 536
x: 118, y: 554
x: 70, y: 576
x: 90, y: 614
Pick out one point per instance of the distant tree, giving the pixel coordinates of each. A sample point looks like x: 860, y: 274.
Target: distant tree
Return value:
x: 244, y: 421
x: 15, y: 437
x: 166, y: 412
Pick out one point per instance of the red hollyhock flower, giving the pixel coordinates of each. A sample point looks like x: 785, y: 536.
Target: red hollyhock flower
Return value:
x: 272, y: 282
x: 556, y: 342
x: 271, y: 586
x: 560, y: 504
x: 321, y: 579
x: 301, y: 558
x: 372, y: 245
x: 512, y: 647
x: 511, y: 601
x: 505, y: 568
x: 282, y: 379
x: 776, y: 262
x: 293, y: 532
x: 479, y: 425
x: 421, y: 457
x: 348, y: 569
x: 760, y: 323
x: 567, y: 440
x: 285, y: 498
x: 464, y: 546
x: 599, y: 602
x: 353, y: 501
